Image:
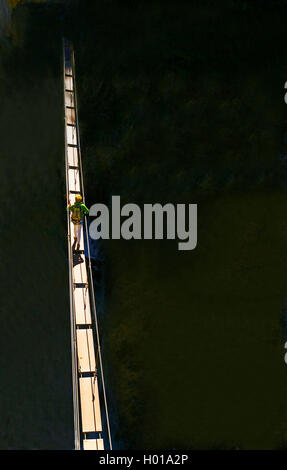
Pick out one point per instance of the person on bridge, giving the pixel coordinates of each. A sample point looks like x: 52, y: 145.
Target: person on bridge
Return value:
x: 79, y: 210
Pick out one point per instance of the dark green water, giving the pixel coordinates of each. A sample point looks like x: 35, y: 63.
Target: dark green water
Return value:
x: 35, y: 362
x: 179, y: 102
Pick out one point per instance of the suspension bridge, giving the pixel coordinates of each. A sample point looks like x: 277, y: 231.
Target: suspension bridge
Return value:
x: 91, y: 417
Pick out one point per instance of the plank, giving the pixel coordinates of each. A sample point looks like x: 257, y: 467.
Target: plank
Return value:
x: 93, y: 444
x: 73, y: 156
x: 86, y: 350
x: 90, y: 405
x: 69, y: 98
x: 68, y: 68
x: 74, y: 180
x: 69, y: 83
x: 70, y: 115
x: 82, y: 306
x: 71, y: 135
x: 80, y: 272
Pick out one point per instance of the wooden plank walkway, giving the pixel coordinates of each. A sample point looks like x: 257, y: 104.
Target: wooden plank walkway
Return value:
x: 87, y: 410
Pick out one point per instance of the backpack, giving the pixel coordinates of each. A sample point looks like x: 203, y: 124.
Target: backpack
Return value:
x: 76, y: 214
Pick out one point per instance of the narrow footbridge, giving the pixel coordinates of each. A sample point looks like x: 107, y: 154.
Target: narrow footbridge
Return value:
x: 91, y: 418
